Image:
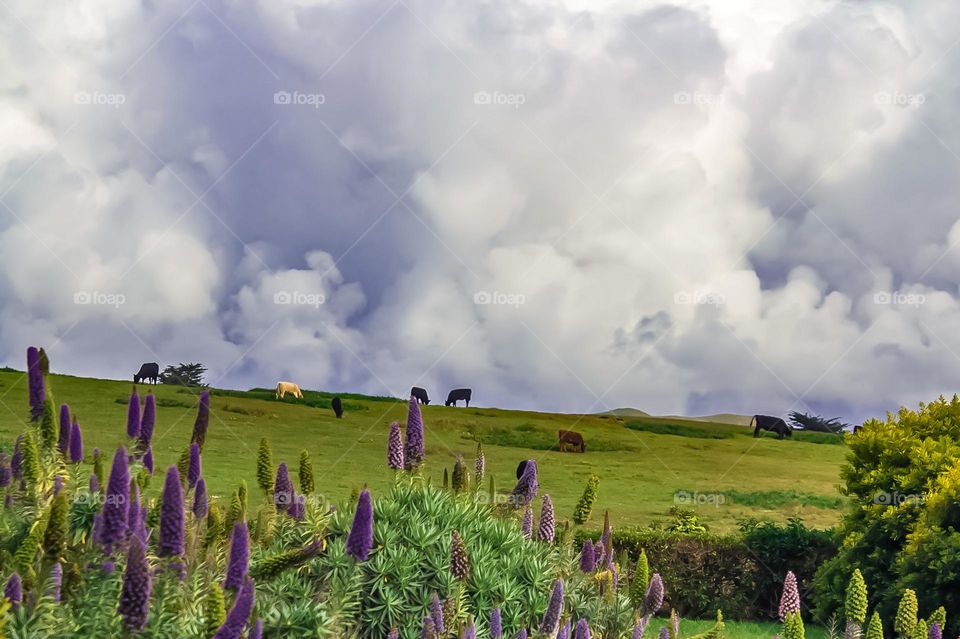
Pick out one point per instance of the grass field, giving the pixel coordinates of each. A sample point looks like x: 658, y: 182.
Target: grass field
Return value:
x: 646, y: 464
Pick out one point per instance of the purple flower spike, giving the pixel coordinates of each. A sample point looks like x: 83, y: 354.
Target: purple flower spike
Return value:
x: 545, y: 530
x: 790, y: 600
x: 148, y: 420
x: 203, y: 420
x: 564, y: 632
x: 63, y: 442
x: 57, y: 485
x: 133, y: 415
x: 133, y: 512
x: 76, y: 443
x: 298, y: 506
x: 394, y: 633
x: 653, y: 600
x: 239, y: 557
x: 395, y: 447
x: 436, y: 611
x: 148, y: 460
x: 470, y: 631
x: 93, y: 485
x: 588, y: 561
x: 36, y: 386
x: 56, y: 582
x: 428, y: 630
x: 137, y: 583
x: 201, y: 503
x: 526, y: 524
x: 171, y: 515
x: 526, y: 489
x: 5, y: 473
x: 14, y: 591
x: 582, y: 631
x: 664, y: 633
x: 256, y: 630
x: 360, y: 540
x: 282, y: 489
x: 113, y: 527
x: 239, y: 614
x: 935, y: 632
x: 640, y: 627
x: 496, y: 624
x: 413, y: 452
x: 522, y: 633
x: 551, y: 619
x: 108, y: 567
x: 193, y: 470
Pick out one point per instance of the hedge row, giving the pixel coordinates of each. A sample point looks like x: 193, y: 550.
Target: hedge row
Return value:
x: 741, y: 573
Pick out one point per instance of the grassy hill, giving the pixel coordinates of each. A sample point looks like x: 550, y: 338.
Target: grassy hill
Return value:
x: 646, y: 464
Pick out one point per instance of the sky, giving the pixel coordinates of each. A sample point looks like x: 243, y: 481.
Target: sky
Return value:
x: 687, y: 208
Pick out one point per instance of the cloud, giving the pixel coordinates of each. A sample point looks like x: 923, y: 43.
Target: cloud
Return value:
x: 686, y: 207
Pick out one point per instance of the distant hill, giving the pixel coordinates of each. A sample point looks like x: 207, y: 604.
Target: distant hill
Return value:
x: 719, y: 418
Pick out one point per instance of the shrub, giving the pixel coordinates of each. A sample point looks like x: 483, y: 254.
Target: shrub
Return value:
x: 183, y: 374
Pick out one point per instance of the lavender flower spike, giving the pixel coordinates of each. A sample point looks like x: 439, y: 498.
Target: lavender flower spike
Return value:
x: 413, y: 451
x: 428, y: 629
x: 56, y: 581
x: 395, y: 447
x: 171, y: 515
x: 193, y: 470
x: 282, y: 489
x: 76, y: 443
x: 63, y: 442
x: 5, y: 474
x: 256, y: 630
x: 526, y: 489
x: 653, y: 600
x: 469, y: 631
x: 203, y: 421
x: 201, y: 503
x: 148, y: 460
x: 496, y: 624
x: 582, y: 631
x: 360, y: 540
x: 114, y: 523
x: 16, y: 460
x: 14, y: 591
x: 526, y: 524
x: 239, y: 557
x: 239, y: 614
x: 522, y: 633
x: 35, y: 384
x: 588, y: 561
x: 137, y: 583
x: 133, y: 512
x: 551, y: 619
x: 148, y: 420
x: 664, y: 633
x: 564, y: 632
x: 790, y: 600
x: 393, y: 634
x: 133, y: 415
x: 436, y: 611
x: 547, y: 526
x: 640, y: 627
x: 935, y: 632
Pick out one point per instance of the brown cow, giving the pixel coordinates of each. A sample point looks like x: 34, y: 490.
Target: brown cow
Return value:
x: 574, y: 439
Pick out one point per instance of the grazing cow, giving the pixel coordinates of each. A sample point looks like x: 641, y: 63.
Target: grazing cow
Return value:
x: 420, y: 395
x: 288, y: 387
x: 337, y: 407
x: 772, y: 424
x: 148, y: 371
x: 457, y: 394
x: 573, y: 439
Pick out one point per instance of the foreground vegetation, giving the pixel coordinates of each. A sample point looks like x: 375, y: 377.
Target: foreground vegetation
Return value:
x: 646, y: 465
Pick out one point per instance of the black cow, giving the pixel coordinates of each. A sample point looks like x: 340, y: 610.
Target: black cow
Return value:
x: 337, y: 407
x: 772, y: 424
x: 147, y: 371
x: 457, y: 394
x: 420, y: 394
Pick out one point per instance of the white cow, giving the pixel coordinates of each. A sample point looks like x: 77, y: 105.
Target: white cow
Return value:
x: 288, y: 387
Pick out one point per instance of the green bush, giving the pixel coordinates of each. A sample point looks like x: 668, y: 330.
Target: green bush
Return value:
x: 903, y: 479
